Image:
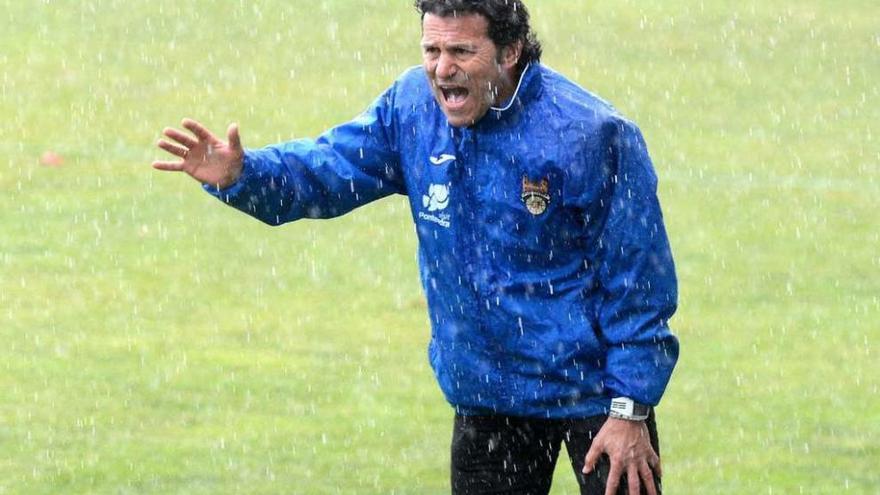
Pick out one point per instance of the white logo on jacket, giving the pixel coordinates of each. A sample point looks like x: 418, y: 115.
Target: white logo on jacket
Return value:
x: 437, y: 197
x: 441, y: 159
x: 436, y: 200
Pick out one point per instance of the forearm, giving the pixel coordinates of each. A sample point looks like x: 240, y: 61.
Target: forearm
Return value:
x: 265, y: 189
x: 641, y: 297
x: 641, y: 371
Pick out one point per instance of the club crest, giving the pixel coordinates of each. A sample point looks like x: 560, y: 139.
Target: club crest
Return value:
x: 536, y: 195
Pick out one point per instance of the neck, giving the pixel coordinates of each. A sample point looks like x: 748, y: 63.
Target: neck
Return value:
x: 507, y: 88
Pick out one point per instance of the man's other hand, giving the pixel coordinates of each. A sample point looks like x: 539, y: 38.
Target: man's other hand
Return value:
x: 203, y: 156
x: 629, y: 449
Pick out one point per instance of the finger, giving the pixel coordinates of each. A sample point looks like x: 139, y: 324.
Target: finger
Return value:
x: 173, y: 148
x: 648, y: 479
x: 654, y: 463
x: 632, y: 479
x: 180, y: 137
x: 233, y: 137
x: 168, y: 166
x: 613, y: 479
x: 592, y: 458
x: 199, y: 130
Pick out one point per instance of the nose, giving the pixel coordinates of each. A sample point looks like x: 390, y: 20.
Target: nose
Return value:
x: 446, y: 68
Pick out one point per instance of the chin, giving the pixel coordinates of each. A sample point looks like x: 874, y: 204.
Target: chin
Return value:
x: 456, y: 122
x: 460, y: 119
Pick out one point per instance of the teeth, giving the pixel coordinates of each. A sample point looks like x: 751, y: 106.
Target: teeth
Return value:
x: 455, y: 95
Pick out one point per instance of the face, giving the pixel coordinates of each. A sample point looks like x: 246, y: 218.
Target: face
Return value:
x: 468, y: 73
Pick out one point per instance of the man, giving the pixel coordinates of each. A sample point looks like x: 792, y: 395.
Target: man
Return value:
x: 542, y: 249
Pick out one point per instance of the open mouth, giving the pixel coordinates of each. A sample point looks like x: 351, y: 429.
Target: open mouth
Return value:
x: 454, y: 95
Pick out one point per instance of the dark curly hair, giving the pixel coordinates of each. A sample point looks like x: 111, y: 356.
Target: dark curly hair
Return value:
x: 508, y: 22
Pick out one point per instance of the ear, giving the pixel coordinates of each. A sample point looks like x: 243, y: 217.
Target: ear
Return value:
x: 510, y: 55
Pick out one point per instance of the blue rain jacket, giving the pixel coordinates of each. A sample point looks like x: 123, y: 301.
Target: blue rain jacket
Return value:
x: 542, y: 250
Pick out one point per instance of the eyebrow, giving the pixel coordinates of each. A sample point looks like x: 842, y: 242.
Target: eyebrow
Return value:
x: 465, y: 45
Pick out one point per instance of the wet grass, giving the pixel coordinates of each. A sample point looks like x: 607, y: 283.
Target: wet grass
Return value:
x: 157, y: 342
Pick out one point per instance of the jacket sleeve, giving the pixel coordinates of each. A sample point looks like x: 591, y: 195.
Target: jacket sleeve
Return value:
x: 636, y: 273
x: 345, y: 167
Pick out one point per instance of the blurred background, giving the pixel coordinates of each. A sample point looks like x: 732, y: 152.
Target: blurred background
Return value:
x: 156, y: 341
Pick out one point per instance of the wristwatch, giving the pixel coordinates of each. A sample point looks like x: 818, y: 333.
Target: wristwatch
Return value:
x: 628, y: 409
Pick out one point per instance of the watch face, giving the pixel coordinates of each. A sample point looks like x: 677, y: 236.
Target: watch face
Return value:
x: 640, y: 409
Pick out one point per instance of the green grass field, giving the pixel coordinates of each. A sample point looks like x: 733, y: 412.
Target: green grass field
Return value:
x: 155, y: 341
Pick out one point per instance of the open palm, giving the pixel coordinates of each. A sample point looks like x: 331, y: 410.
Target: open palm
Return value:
x: 203, y: 156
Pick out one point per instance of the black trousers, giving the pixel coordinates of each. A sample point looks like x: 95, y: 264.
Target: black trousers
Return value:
x: 510, y: 455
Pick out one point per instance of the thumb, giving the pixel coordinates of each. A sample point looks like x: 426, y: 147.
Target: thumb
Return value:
x: 592, y: 458
x: 233, y: 137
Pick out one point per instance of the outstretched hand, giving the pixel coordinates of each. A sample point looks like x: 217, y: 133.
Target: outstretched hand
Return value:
x: 203, y: 156
x: 628, y: 446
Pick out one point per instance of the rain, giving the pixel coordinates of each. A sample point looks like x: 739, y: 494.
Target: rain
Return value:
x: 157, y: 340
